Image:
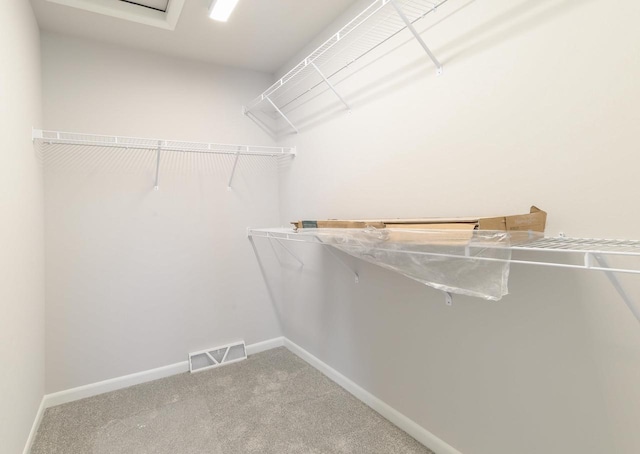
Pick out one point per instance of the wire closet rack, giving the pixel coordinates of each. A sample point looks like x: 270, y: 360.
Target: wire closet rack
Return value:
x: 379, y: 22
x: 46, y: 138
x: 560, y: 252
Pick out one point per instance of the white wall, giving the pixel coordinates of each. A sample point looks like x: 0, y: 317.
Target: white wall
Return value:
x: 137, y: 278
x: 21, y: 228
x: 538, y: 104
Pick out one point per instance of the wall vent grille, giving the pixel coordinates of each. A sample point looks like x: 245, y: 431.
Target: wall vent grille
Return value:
x: 217, y: 356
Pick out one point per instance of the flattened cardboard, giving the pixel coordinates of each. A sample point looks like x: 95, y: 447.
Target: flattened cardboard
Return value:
x: 337, y: 224
x: 534, y: 221
x: 424, y: 233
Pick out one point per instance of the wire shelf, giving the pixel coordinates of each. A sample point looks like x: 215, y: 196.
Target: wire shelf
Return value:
x: 572, y: 253
x: 582, y: 245
x: 71, y: 138
x: 581, y: 253
x: 379, y: 22
x: 46, y: 139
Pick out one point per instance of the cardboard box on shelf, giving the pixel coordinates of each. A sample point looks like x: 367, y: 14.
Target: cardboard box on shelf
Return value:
x: 534, y: 221
x: 337, y: 224
x: 434, y: 234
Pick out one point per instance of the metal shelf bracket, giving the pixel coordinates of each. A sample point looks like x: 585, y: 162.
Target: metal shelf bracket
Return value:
x: 289, y: 251
x: 233, y: 170
x: 331, y: 86
x: 417, y: 36
x: 448, y: 298
x: 281, y: 114
x: 604, y: 263
x: 356, y: 277
x: 155, y: 186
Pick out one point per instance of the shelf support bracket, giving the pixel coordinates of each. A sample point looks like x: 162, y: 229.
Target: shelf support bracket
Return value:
x: 604, y: 263
x: 233, y: 171
x: 331, y: 86
x: 280, y: 112
x: 410, y: 26
x: 289, y: 251
x: 356, y: 277
x: 448, y: 298
x: 156, y: 187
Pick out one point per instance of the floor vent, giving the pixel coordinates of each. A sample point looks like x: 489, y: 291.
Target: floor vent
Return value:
x: 217, y: 356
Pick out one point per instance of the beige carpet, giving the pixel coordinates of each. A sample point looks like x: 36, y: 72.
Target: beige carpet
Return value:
x: 271, y: 403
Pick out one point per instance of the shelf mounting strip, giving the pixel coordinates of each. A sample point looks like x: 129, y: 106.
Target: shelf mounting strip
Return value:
x: 379, y: 22
x: 159, y: 146
x: 572, y: 253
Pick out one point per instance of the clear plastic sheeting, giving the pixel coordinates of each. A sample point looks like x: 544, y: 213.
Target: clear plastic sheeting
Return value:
x: 466, y: 262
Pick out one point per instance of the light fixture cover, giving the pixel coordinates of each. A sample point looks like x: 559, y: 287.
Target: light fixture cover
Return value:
x: 220, y: 10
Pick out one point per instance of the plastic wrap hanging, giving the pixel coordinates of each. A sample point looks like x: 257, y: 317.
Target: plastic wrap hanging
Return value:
x: 466, y: 262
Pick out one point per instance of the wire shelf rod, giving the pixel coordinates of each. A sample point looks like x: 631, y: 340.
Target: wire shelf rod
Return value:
x: 375, y: 37
x: 414, y: 10
x: 87, y: 140
x: 588, y: 249
x: 488, y: 259
x: 596, y: 246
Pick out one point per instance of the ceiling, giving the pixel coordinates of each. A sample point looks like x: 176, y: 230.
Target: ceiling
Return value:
x: 261, y: 35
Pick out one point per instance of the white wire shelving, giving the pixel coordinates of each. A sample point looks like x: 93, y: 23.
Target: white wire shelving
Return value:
x: 46, y: 138
x: 379, y: 22
x: 560, y: 252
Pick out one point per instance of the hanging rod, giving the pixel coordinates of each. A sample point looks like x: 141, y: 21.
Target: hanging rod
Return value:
x: 159, y: 146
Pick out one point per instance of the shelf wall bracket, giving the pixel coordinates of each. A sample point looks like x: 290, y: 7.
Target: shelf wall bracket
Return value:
x: 331, y: 86
x: 604, y: 263
x: 410, y: 26
x: 281, y: 114
x: 356, y: 277
x: 156, y: 187
x: 448, y: 298
x: 233, y: 170
x: 289, y: 251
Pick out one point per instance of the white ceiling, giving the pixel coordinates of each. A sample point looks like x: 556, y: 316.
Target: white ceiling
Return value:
x: 261, y: 34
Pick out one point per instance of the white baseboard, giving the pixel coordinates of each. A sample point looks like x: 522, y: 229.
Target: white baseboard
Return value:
x: 412, y: 428
x: 34, y: 427
x: 264, y: 345
x: 113, y: 384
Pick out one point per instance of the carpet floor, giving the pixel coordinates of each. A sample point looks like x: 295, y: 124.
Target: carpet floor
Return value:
x: 272, y: 403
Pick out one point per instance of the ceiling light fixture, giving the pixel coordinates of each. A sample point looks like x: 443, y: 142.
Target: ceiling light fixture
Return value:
x: 220, y: 10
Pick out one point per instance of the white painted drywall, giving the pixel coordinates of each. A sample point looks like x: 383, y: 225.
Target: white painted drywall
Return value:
x: 137, y: 278
x: 538, y: 104
x: 21, y: 228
